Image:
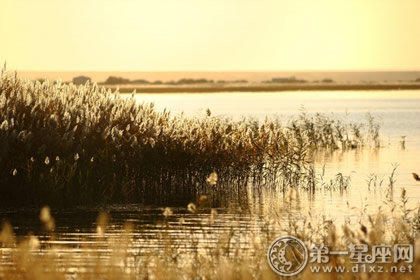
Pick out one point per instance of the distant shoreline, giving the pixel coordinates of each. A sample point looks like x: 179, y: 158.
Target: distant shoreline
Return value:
x: 262, y: 87
x: 340, y: 77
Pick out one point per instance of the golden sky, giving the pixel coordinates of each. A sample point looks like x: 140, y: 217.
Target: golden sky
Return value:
x: 210, y: 35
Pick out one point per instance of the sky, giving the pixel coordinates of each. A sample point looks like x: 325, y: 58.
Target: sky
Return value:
x: 209, y: 35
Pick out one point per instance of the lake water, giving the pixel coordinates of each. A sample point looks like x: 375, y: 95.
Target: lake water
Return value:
x: 397, y: 111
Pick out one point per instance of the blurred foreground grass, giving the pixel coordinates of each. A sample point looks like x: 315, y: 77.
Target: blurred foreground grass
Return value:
x: 236, y: 254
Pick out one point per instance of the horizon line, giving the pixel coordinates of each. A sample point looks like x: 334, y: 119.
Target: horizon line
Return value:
x: 224, y: 71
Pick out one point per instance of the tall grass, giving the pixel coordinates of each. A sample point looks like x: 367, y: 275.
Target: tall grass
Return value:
x: 62, y: 144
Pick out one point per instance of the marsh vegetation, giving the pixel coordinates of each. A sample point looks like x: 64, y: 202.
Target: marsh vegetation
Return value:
x: 64, y: 144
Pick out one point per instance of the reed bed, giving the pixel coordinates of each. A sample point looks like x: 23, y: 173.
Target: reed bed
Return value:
x: 65, y: 144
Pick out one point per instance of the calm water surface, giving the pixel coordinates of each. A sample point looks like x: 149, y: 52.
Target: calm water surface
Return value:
x: 397, y: 111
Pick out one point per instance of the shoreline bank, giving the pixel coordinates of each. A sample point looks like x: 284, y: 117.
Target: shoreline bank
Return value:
x: 261, y: 88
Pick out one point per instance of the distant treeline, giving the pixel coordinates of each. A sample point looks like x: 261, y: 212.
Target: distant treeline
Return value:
x: 294, y: 80
x: 113, y: 80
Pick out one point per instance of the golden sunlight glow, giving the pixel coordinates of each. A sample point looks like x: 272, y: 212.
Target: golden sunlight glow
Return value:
x: 210, y: 35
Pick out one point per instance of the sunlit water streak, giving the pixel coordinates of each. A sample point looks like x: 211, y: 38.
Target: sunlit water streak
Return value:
x: 397, y: 111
